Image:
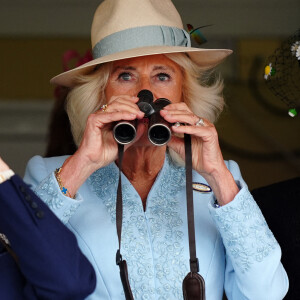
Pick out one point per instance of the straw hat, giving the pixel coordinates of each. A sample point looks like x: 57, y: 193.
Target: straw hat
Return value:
x: 131, y: 28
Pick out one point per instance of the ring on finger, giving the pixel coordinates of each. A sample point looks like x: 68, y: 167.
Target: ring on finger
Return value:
x: 200, y: 122
x: 103, y: 108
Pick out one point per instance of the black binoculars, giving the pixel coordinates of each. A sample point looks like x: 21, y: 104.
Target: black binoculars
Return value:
x: 159, y: 132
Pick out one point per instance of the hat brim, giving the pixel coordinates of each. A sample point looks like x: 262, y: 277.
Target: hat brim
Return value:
x: 202, y: 57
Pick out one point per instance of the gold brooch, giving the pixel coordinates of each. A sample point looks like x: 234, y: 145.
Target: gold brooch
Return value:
x: 201, y: 187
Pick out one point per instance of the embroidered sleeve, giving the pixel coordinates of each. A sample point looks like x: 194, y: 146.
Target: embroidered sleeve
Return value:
x: 63, y: 206
x: 48, y: 190
x: 253, y: 267
x: 245, y: 233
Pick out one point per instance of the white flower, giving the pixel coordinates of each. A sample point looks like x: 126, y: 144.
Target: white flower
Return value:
x: 295, y: 48
x: 298, y: 53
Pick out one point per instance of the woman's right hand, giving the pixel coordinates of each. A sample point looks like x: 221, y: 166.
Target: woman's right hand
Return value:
x: 98, y: 147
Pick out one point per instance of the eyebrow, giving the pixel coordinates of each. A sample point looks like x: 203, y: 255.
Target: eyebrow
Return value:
x: 128, y: 68
x: 122, y: 68
x: 163, y: 68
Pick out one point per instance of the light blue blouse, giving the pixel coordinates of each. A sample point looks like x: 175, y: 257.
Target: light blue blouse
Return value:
x: 236, y: 249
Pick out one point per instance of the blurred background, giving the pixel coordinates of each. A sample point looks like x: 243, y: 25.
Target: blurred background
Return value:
x: 255, y: 129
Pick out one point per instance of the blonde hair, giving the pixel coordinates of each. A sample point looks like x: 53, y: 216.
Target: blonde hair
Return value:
x: 86, y: 98
x: 201, y: 95
x: 202, y: 92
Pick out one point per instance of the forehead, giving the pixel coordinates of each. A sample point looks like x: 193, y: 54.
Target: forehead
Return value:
x: 146, y: 61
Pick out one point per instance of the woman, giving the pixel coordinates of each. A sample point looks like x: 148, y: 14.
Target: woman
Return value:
x: 141, y: 45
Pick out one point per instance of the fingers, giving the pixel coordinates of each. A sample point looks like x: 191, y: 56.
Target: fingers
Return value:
x: 192, y: 125
x: 118, y: 108
x: 200, y: 131
x: 124, y: 103
x: 173, y: 116
x: 184, y: 116
x: 185, y: 121
x: 100, y: 119
x: 180, y: 113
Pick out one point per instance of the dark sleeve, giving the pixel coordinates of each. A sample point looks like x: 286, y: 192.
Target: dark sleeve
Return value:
x: 12, y: 281
x: 48, y: 253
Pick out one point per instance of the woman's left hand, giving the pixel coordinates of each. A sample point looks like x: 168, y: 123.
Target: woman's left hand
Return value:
x: 206, y: 153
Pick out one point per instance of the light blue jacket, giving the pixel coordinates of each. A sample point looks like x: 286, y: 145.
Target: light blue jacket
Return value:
x: 236, y: 249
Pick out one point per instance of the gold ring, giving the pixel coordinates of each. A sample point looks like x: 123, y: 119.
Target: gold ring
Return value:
x: 103, y: 107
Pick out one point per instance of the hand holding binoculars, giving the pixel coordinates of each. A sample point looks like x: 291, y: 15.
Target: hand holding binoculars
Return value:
x: 159, y: 132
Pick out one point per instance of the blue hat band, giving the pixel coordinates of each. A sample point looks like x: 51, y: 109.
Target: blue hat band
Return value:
x: 141, y: 37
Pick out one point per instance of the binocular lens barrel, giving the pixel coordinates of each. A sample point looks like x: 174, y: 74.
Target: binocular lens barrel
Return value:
x: 159, y: 132
x: 125, y: 132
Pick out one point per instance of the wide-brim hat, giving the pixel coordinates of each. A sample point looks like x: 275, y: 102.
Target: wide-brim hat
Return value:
x: 132, y: 28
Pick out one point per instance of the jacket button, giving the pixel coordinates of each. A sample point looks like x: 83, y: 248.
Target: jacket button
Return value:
x: 22, y: 189
x: 34, y: 204
x: 27, y: 198
x: 40, y: 214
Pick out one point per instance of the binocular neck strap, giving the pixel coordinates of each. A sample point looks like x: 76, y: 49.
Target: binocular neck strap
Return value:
x: 194, y: 264
x: 119, y: 216
x: 119, y: 204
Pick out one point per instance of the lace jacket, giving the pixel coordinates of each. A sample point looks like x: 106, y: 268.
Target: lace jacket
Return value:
x: 236, y: 249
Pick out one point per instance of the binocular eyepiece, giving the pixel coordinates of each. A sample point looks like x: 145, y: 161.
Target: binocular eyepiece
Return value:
x: 159, y: 132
